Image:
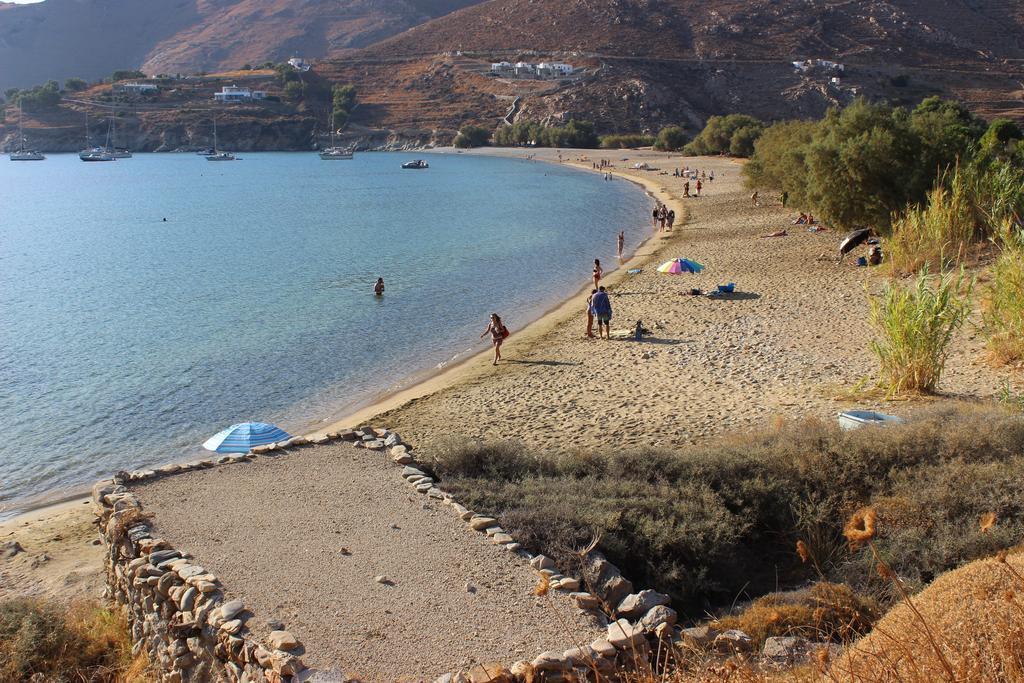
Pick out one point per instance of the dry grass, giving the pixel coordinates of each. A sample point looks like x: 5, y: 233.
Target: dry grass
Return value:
x: 1003, y: 303
x: 54, y: 642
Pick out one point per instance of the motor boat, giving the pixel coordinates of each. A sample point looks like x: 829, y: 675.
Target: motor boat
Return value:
x: 418, y: 163
x: 221, y: 156
x: 855, y: 419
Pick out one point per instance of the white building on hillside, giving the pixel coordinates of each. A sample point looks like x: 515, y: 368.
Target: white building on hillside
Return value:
x: 137, y: 88
x: 299, y: 63
x: 232, y: 93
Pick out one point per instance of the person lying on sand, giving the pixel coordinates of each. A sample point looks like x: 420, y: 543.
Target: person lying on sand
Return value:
x: 802, y: 220
x: 779, y: 233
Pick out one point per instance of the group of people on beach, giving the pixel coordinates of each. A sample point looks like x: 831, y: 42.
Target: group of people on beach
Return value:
x: 663, y: 217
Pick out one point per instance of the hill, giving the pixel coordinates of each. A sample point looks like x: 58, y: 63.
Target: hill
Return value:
x: 652, y: 62
x: 91, y: 38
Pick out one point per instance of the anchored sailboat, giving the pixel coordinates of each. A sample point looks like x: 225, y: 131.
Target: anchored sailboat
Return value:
x: 218, y: 156
x: 94, y: 153
x: 23, y: 153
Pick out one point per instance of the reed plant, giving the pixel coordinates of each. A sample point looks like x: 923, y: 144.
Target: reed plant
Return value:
x: 1003, y: 303
x: 914, y: 326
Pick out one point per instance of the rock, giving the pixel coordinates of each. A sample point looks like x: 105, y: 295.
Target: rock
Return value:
x: 699, y: 637
x: 585, y: 600
x: 285, y: 664
x: 166, y: 582
x: 501, y: 539
x: 435, y: 493
x: 393, y: 441
x: 188, y: 599
x: 551, y: 661
x: 522, y: 670
x: 786, y: 650
x: 160, y: 555
x: 491, y: 530
x: 658, y: 615
x: 489, y: 673
x: 347, y: 435
x: 622, y: 634
x: 459, y: 509
x: 638, y: 604
x: 230, y: 609
x: 580, y: 656
x: 375, y: 445
x: 603, y: 648
x: 424, y: 487
x: 191, y: 570
x: 205, y: 587
x: 232, y: 626
x: 732, y: 641
x: 412, y: 472
x: 319, y: 439
x: 512, y: 547
x: 481, y: 523
x: 282, y: 640
x: 568, y: 584
x: 384, y: 580
x: 542, y: 562
x: 397, y: 450
x: 606, y: 579
x: 402, y: 458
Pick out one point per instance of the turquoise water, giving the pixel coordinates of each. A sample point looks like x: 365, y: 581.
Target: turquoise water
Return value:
x: 126, y: 341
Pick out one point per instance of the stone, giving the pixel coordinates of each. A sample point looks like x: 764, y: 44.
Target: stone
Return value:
x: 393, y: 441
x: 283, y: 640
x: 699, y: 636
x: 423, y: 488
x: 522, y: 670
x: 501, y: 539
x: 347, y: 435
x: 491, y: 530
x: 160, y: 555
x: 436, y: 493
x: 319, y: 439
x: 551, y: 661
x: 459, y: 509
x: 512, y: 547
x: 402, y: 458
x: 398, y: 450
x: 568, y: 584
x: 585, y: 600
x: 658, y: 615
x: 732, y: 641
x: 231, y: 608
x: 623, y: 634
x: 285, y: 664
x: 188, y: 599
x: 638, y: 604
x: 542, y: 562
x: 191, y: 570
x: 580, y: 656
x: 786, y: 650
x: 412, y: 472
x: 205, y: 587
x: 166, y: 582
x: 606, y: 579
x: 603, y: 648
x: 479, y: 523
x: 384, y: 580
x: 262, y: 656
x: 375, y: 445
x: 232, y: 626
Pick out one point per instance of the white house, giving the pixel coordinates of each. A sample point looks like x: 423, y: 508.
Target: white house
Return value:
x: 299, y: 64
x: 138, y: 88
x: 502, y: 69
x: 232, y: 93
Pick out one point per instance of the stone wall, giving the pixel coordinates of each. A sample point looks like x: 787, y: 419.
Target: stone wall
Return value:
x: 177, y: 611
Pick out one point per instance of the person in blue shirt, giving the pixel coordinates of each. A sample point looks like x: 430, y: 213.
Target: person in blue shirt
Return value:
x: 602, y: 306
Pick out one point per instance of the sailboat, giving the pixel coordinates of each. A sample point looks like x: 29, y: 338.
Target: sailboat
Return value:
x: 218, y: 156
x: 94, y: 153
x: 22, y: 154
x: 112, y: 149
x: 333, y: 152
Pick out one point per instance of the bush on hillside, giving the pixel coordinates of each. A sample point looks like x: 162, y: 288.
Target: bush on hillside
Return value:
x: 671, y: 139
x: 126, y: 74
x: 80, y: 643
x: 723, y: 134
x: 708, y: 523
x: 626, y: 141
x: 39, y: 98
x: 779, y: 159
x: 75, y: 84
x: 472, y: 136
x: 343, y: 101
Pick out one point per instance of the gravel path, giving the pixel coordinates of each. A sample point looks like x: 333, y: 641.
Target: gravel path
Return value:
x: 301, y: 537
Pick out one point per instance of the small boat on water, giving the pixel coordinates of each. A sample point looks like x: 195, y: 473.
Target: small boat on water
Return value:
x: 418, y: 163
x: 332, y: 153
x: 219, y: 156
x: 855, y: 419
x: 96, y: 154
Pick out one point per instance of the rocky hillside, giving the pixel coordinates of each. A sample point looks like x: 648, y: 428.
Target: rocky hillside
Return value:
x: 652, y: 62
x: 91, y: 38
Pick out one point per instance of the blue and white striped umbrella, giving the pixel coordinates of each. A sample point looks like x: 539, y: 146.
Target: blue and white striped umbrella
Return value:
x: 241, y: 438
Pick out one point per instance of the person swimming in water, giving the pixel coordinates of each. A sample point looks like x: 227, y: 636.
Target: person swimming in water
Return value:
x: 378, y: 288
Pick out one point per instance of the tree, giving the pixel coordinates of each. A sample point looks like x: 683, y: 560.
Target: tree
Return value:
x: 717, y: 136
x: 863, y: 164
x: 75, y: 84
x: 472, y: 136
x: 285, y: 73
x: 779, y: 162
x: 1001, y: 135
x: 670, y: 139
x: 343, y: 100
x: 292, y: 91
x: 126, y: 74
x: 947, y: 131
x: 46, y: 96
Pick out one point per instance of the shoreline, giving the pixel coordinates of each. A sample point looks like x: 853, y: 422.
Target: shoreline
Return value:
x: 431, y: 380
x: 532, y: 333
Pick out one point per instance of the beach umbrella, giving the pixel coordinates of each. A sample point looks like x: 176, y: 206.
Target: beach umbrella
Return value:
x: 243, y: 437
x: 851, y: 241
x: 680, y: 265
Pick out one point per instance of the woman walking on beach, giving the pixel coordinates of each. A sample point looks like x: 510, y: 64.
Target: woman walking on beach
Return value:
x: 498, y: 333
x: 598, y: 271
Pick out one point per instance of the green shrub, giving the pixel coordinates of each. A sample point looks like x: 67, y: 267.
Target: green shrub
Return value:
x: 573, y: 134
x: 708, y: 523
x: 1003, y: 306
x: 292, y: 91
x: 671, y: 139
x: 913, y: 328
x: 722, y: 133
x: 343, y: 100
x: 626, y: 141
x: 46, y: 96
x: 75, y: 84
x: 126, y: 74
x: 472, y: 136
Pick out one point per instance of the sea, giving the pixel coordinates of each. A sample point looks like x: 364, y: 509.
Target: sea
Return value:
x: 148, y: 303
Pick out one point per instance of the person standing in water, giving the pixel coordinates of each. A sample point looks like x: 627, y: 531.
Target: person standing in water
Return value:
x: 378, y: 288
x: 620, y: 242
x: 598, y: 271
x: 498, y: 332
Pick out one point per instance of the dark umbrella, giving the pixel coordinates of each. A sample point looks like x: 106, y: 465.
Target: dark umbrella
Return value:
x: 851, y: 241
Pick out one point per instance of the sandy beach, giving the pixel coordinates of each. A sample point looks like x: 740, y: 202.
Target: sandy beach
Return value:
x: 791, y: 340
